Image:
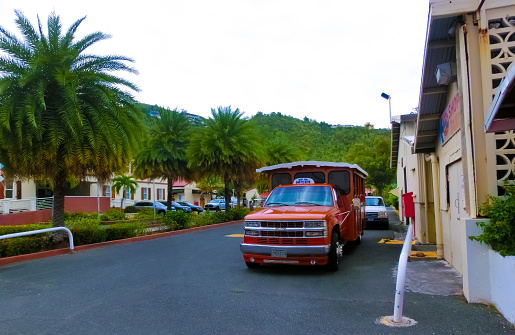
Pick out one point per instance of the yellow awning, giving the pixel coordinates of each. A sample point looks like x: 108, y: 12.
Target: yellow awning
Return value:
x: 395, y: 192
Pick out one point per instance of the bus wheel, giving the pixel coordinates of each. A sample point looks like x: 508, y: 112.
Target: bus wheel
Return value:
x: 358, y: 240
x: 332, y: 263
x: 251, y: 265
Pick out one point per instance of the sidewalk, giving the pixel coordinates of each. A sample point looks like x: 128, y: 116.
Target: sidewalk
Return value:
x: 429, y: 279
x: 426, y: 275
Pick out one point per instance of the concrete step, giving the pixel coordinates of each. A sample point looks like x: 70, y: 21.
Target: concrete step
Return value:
x: 424, y: 247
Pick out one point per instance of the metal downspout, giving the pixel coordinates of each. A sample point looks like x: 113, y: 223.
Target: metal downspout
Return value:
x: 435, y: 168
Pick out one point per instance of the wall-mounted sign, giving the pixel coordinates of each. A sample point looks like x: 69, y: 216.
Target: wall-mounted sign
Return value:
x: 450, y: 122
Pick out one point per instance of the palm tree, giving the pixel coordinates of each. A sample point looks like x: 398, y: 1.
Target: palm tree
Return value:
x: 279, y: 149
x: 63, y: 113
x: 164, y: 155
x: 227, y: 146
x: 125, y: 183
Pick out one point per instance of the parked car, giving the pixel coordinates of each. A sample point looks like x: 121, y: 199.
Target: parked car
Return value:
x: 159, y: 207
x: 375, y: 211
x: 178, y: 206
x: 193, y: 207
x: 216, y: 205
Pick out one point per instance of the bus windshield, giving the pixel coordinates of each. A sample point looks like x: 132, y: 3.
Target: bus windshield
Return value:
x: 300, y: 195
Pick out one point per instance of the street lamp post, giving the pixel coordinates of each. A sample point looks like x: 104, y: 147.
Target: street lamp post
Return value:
x: 389, y: 98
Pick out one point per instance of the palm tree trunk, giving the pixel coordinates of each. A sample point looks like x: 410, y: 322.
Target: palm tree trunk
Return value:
x: 59, y: 188
x: 58, y: 215
x: 227, y: 195
x: 170, y: 193
x: 237, y: 188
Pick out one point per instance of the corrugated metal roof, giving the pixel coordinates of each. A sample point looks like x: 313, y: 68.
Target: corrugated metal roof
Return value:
x: 440, y: 48
x: 395, y: 139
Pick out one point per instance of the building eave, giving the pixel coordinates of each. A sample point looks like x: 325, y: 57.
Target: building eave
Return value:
x: 439, y: 48
x: 501, y: 115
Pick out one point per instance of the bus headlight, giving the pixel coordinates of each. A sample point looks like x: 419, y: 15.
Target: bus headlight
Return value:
x: 252, y: 224
x: 315, y: 224
x: 317, y: 233
x: 251, y: 232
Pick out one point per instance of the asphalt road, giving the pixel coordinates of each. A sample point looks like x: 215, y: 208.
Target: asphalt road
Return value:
x: 197, y: 283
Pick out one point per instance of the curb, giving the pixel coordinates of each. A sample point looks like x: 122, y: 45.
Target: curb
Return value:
x: 64, y: 251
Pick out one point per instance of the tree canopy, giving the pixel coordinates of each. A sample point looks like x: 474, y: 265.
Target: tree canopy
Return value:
x: 227, y: 145
x: 63, y: 113
x: 372, y: 153
x: 163, y: 156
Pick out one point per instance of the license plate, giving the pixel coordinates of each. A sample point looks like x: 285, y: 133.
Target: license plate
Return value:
x: 279, y: 253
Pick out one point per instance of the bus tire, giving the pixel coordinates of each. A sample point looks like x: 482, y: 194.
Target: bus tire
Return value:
x: 332, y: 262
x: 251, y: 265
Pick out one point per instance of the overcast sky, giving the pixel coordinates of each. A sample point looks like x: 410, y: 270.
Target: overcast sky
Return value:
x: 327, y: 60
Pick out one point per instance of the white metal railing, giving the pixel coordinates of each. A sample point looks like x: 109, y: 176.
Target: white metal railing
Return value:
x: 401, y: 275
x: 44, y: 203
x: 39, y: 231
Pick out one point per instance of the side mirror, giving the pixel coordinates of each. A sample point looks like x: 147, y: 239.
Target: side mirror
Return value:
x: 356, y: 204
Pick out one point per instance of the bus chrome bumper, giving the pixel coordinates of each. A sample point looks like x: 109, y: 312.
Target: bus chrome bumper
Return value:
x: 290, y: 249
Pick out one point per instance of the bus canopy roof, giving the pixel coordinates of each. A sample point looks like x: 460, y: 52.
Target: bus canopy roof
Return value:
x: 311, y: 163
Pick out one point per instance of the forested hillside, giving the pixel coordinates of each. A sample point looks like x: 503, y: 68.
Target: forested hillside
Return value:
x: 314, y: 140
x: 362, y: 145
x: 286, y: 139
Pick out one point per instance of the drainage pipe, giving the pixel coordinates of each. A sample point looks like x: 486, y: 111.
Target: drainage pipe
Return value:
x: 435, y: 167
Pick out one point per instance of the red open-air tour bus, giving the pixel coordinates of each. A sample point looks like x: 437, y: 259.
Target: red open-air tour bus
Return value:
x: 313, y: 210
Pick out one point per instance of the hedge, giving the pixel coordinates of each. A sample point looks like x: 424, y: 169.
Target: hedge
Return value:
x: 88, y: 228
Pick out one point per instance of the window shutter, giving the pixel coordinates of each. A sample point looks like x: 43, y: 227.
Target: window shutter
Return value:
x: 149, y: 194
x: 142, y: 194
x: 104, y: 190
x: 113, y: 194
x: 158, y: 192
x: 132, y: 195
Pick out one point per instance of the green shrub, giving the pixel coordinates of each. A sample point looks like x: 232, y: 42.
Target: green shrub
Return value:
x: 113, y: 214
x: 499, y: 231
x: 91, y: 231
x: 123, y: 230
x: 202, y: 219
x: 89, y: 235
x: 240, y: 212
x: 78, y: 215
x: 4, y: 230
x: 23, y: 245
x: 81, y: 223
x: 130, y: 209
x: 389, y: 198
x: 208, y: 218
x: 177, y: 219
x: 146, y: 213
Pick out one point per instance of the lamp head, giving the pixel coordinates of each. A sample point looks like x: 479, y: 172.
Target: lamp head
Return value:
x: 384, y: 95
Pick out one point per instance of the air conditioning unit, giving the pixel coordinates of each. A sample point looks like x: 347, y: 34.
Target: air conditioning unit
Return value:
x: 445, y: 73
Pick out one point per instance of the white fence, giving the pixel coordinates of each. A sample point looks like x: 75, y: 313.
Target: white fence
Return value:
x: 8, y: 206
x: 126, y: 202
